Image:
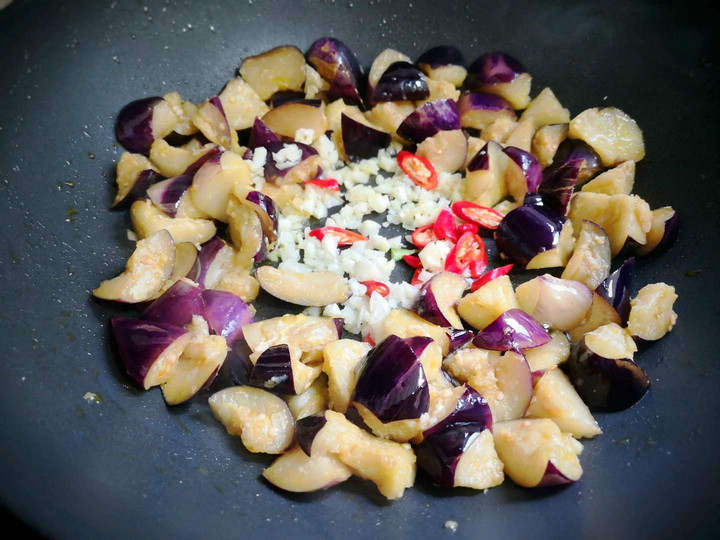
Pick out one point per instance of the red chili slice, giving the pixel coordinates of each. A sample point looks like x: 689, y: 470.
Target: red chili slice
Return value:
x: 492, y: 274
x: 419, y: 169
x: 345, y: 237
x: 415, y: 281
x: 465, y: 227
x: 482, y: 216
x: 422, y: 236
x: 413, y: 261
x: 324, y: 183
x: 376, y: 286
x: 468, y: 254
x: 370, y: 340
x: 445, y: 226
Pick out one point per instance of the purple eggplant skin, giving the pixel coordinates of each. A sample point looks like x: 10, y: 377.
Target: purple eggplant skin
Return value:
x: 480, y: 100
x: 553, y: 477
x: 438, y: 454
x: 429, y: 119
x: 167, y: 194
x: 226, y: 314
x: 605, y: 384
x: 177, y: 305
x: 213, y: 154
x: 392, y: 383
x: 329, y: 55
x: 418, y: 344
x: 306, y: 429
x: 442, y: 55
x: 273, y: 371
x: 286, y: 96
x: 272, y: 171
x: 267, y: 211
x: 481, y: 161
x: 140, y: 343
x: 558, y: 184
x: 133, y: 127
x: 493, y: 68
x: 261, y: 135
x: 669, y: 237
x: 572, y: 149
x: 206, y: 256
x: 344, y: 86
x: 471, y: 408
x: 513, y: 330
x: 401, y: 82
x: 529, y: 165
x: 458, y: 338
x: 527, y: 231
x: 339, y: 322
x: 617, y: 288
x: 361, y: 141
x: 144, y: 180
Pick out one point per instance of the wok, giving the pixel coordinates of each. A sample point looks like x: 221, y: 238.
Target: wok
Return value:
x: 132, y: 467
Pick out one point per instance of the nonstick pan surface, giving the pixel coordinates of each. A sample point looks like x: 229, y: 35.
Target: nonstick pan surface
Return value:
x: 130, y: 467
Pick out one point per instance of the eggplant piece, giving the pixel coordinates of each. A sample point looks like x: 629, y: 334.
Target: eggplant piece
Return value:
x: 546, y: 357
x: 167, y: 194
x: 478, y: 110
x: 558, y: 184
x: 261, y: 135
x: 216, y: 180
x: 437, y: 299
x: 242, y: 105
x: 485, y: 178
x: 521, y: 136
x: 429, y: 119
x: 312, y: 401
x: 281, y: 68
x: 226, y: 314
x: 146, y: 271
x: 216, y: 259
x: 559, y: 303
x: 546, y: 141
x: 458, y: 338
x: 296, y: 472
x: 406, y: 324
x: 446, y: 150
x: 611, y: 133
x: 266, y: 210
x: 330, y: 56
x: 401, y: 81
x: 545, y: 110
x: 483, y: 306
x: 591, y: 259
x: 382, y: 61
x: 285, y: 120
x: 499, y: 130
x: 241, y: 284
x: 344, y: 86
x: 536, y: 453
x: 246, y: 233
x: 467, y: 407
x: 651, y: 312
x: 210, y: 119
x: 574, y: 150
x: 291, y: 96
x: 523, y: 174
x: 389, y: 465
x: 617, y: 181
x: 134, y: 175
x: 400, y: 431
x: 514, y: 330
x: 612, y: 340
x: 279, y: 370
x: 392, y: 383
x: 306, y: 429
x: 501, y: 74
x: 663, y: 232
x: 147, y: 220
x: 341, y: 358
x: 609, y: 384
x: 535, y: 237
x: 555, y: 398
x: 149, y: 350
x: 617, y: 288
x: 311, y: 289
x: 599, y: 314
x: 280, y: 170
x: 388, y: 116
x: 196, y: 369
x: 174, y: 161
x: 186, y: 266
x: 360, y: 140
x: 504, y: 381
x: 134, y: 127
x: 462, y: 455
x: 443, y: 63
x: 307, y: 334
x: 263, y: 421
x: 177, y: 305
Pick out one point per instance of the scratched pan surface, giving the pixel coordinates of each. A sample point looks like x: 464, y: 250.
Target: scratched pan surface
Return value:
x: 131, y: 467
